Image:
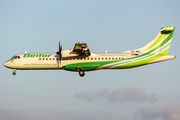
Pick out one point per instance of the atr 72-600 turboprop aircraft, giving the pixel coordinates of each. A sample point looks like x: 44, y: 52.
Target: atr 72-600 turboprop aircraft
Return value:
x: 80, y: 58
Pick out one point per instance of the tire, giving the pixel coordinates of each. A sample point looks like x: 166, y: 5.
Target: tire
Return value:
x: 81, y: 73
x: 14, y: 73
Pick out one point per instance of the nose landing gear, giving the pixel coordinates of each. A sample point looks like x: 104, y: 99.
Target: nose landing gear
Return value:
x: 14, y: 73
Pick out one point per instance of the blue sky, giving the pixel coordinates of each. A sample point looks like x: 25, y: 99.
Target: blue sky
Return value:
x: 116, y: 26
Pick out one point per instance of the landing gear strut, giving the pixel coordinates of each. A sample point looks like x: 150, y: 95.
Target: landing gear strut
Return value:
x: 14, y: 73
x: 81, y: 72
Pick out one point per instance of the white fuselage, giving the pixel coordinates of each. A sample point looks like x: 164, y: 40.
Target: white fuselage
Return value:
x: 50, y: 60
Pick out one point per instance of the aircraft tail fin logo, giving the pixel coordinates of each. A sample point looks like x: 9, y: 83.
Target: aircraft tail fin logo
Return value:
x: 161, y: 43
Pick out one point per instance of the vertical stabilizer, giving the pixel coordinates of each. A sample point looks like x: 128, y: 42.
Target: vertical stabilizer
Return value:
x: 161, y: 43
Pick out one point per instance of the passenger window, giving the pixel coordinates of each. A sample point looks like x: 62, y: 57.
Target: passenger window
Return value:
x: 91, y: 58
x: 98, y: 58
x: 95, y: 58
x: 109, y: 58
x: 123, y: 58
x: 119, y: 58
x: 49, y: 58
x: 46, y: 58
x: 53, y: 58
x: 77, y: 58
x: 18, y: 57
x: 106, y: 58
x: 39, y: 58
x: 112, y: 58
x: 87, y: 58
x: 102, y: 58
x: 43, y: 58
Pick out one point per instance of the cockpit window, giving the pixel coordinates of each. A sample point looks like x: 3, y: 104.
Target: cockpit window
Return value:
x: 15, y: 57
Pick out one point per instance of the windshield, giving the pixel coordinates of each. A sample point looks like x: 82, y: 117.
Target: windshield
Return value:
x: 15, y: 57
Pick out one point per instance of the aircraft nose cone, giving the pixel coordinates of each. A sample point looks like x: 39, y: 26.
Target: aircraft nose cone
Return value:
x: 5, y: 64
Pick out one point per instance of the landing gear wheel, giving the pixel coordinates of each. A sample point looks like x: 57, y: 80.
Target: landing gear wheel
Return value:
x: 81, y: 73
x: 14, y: 73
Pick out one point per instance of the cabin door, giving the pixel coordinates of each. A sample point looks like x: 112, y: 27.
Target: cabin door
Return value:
x: 129, y: 57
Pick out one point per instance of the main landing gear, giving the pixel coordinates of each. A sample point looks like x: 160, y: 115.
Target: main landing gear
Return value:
x: 81, y: 72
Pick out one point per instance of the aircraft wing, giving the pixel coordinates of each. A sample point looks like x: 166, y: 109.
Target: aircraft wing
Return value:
x: 81, y: 48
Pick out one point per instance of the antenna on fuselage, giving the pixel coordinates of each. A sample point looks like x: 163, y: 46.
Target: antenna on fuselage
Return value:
x: 106, y: 51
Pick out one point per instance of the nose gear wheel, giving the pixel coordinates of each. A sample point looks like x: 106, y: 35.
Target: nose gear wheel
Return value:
x: 14, y: 73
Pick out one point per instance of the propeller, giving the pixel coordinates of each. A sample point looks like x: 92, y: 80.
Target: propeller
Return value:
x: 60, y: 54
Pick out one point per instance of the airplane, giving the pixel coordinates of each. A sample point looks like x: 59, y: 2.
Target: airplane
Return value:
x: 80, y: 59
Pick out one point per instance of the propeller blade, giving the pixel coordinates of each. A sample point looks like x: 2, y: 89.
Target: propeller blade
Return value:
x: 60, y: 54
